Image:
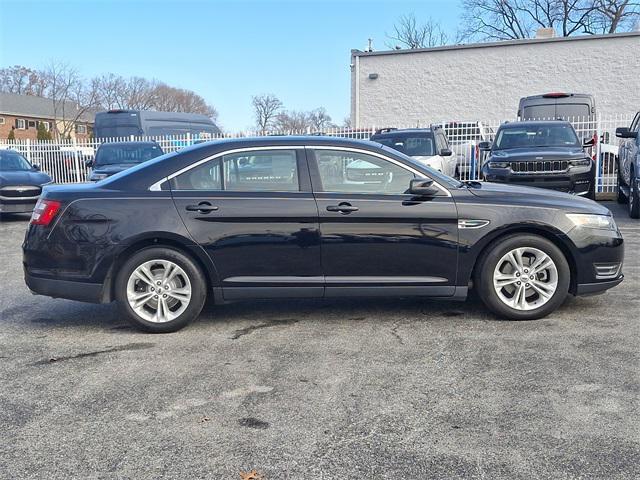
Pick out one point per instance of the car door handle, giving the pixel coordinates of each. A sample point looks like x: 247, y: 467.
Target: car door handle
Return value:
x: 344, y: 207
x: 202, y: 207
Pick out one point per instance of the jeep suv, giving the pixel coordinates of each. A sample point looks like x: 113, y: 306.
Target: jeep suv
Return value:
x: 629, y: 166
x: 540, y: 154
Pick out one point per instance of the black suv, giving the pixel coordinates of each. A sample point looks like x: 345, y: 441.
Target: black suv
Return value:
x: 281, y: 217
x: 540, y: 154
x: 114, y: 157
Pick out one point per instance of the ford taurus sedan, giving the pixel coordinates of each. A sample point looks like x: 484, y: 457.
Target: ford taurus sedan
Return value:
x: 284, y: 217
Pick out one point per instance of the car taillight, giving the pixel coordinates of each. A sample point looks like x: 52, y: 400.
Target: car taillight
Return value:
x: 44, y: 212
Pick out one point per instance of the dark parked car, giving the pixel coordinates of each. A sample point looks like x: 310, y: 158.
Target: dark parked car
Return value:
x: 540, y: 154
x: 118, y: 156
x: 162, y: 236
x: 629, y: 166
x: 20, y: 183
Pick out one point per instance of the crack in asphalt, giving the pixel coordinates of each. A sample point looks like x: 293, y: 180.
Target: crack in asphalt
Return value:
x: 119, y: 348
x: 252, y: 328
x: 394, y: 332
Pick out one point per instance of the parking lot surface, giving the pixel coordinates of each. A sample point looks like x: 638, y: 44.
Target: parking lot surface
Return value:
x: 368, y: 388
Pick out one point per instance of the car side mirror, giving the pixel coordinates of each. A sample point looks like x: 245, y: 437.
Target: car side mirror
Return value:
x: 446, y: 152
x: 624, y: 132
x: 36, y: 167
x: 423, y: 187
x: 484, y: 146
x: 588, y: 143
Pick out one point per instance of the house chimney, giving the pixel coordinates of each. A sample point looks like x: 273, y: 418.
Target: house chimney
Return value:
x: 545, y: 33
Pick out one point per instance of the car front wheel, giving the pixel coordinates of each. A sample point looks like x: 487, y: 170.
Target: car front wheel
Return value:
x: 160, y: 290
x: 523, y: 277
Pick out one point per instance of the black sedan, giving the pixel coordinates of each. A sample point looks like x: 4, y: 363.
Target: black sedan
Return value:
x: 20, y: 183
x: 540, y: 154
x: 281, y: 217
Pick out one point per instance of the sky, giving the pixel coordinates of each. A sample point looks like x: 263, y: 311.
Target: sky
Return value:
x: 225, y: 51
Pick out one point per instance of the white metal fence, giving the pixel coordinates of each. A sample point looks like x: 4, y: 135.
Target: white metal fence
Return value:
x: 66, y: 161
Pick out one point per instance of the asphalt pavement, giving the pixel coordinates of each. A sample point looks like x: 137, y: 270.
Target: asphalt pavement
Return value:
x: 320, y: 389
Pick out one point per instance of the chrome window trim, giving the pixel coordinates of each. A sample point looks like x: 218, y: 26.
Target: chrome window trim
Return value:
x: 157, y: 186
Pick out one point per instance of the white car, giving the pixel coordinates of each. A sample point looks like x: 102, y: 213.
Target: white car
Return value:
x: 428, y: 146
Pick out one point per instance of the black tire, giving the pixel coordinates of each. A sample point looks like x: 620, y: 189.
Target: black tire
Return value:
x: 193, y: 272
x: 591, y: 193
x: 621, y: 197
x: 634, y: 196
x: 488, y: 262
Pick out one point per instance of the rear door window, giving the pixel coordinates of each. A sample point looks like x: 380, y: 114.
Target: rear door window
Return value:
x: 253, y: 171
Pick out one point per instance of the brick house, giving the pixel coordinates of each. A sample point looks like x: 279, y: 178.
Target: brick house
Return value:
x: 22, y: 113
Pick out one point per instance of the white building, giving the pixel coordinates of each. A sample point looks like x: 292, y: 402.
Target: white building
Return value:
x: 485, y: 81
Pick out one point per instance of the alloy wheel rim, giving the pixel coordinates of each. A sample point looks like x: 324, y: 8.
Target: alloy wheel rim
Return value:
x: 159, y: 291
x: 525, y: 278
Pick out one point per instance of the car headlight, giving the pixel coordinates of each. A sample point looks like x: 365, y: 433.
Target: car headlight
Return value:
x: 498, y: 164
x: 585, y: 162
x: 588, y: 220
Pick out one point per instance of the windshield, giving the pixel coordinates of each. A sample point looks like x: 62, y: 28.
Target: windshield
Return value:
x: 116, y: 154
x: 561, y: 135
x: 13, y: 162
x: 412, y: 145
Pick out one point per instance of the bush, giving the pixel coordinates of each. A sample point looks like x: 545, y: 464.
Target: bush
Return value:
x: 42, y: 132
x: 12, y: 135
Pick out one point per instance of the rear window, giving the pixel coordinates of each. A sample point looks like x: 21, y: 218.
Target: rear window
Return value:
x: 126, y: 154
x: 411, y: 145
x: 559, y: 111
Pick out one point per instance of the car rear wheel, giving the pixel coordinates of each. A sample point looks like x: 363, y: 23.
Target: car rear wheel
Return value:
x: 160, y: 289
x: 523, y: 277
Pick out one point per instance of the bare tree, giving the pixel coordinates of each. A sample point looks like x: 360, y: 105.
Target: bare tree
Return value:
x: 616, y: 15
x: 408, y: 33
x: 72, y: 98
x: 22, y: 80
x: 265, y: 108
x: 515, y: 19
x: 319, y: 119
x: 292, y: 121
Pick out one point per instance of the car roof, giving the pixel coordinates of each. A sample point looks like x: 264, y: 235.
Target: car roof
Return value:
x: 534, y: 123
x: 133, y: 143
x: 391, y: 133
x: 294, y: 140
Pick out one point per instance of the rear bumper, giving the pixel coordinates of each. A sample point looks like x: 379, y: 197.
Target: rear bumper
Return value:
x: 81, y: 291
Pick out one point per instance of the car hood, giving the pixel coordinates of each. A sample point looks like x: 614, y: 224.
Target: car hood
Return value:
x: 508, y: 194
x: 546, y: 153
x: 113, y: 168
x: 23, y: 178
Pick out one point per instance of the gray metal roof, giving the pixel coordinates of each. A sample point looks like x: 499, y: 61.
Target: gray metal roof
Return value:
x: 38, y: 107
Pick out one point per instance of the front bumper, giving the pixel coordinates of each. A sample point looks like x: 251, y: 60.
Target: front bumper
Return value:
x: 578, y: 183
x: 598, y: 287
x: 18, y: 206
